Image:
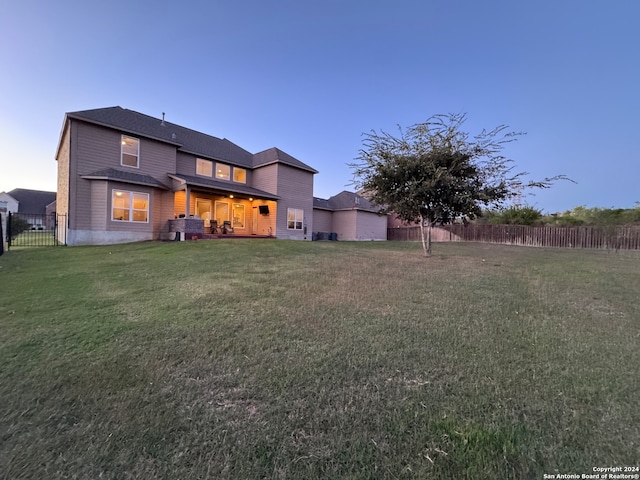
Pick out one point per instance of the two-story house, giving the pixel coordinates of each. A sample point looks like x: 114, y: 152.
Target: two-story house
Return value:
x: 123, y: 175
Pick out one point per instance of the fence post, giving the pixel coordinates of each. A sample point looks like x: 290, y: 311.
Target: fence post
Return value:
x: 1, y: 237
x: 9, y: 231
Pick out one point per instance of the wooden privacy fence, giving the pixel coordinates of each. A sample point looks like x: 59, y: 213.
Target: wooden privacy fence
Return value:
x: 619, y: 237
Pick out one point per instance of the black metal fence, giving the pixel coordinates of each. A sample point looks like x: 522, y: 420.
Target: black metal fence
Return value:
x: 1, y: 234
x: 35, y: 230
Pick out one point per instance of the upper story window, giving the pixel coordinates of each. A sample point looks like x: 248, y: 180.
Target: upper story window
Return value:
x: 204, y: 167
x: 223, y: 172
x: 239, y: 175
x: 130, y: 152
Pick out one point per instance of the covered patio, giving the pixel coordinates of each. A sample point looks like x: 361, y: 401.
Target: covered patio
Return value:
x: 209, y: 208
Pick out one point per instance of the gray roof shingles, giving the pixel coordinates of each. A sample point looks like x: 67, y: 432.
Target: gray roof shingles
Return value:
x: 126, y: 177
x: 32, y: 201
x: 183, y: 138
x: 345, y: 201
x: 273, y: 155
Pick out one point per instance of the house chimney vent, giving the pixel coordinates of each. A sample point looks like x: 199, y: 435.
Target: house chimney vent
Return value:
x: 162, y: 123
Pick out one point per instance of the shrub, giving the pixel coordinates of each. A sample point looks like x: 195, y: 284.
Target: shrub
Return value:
x: 596, y: 216
x: 18, y: 225
x: 515, y: 216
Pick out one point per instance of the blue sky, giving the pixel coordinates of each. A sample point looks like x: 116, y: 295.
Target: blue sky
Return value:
x: 311, y: 77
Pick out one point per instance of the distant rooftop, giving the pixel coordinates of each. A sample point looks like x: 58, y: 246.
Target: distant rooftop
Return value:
x: 32, y: 201
x: 345, y: 201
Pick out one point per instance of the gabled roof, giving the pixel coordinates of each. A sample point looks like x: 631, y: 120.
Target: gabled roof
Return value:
x: 125, y: 177
x: 7, y: 196
x: 274, y: 155
x: 32, y: 201
x: 185, y: 139
x: 345, y: 201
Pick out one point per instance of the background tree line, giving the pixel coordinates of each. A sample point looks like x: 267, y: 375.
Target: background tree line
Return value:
x: 528, y: 215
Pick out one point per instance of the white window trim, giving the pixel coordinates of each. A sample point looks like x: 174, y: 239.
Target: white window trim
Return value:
x: 296, y: 219
x: 204, y: 174
x: 122, y: 152
x: 234, y: 174
x: 236, y: 207
x: 204, y: 201
x: 215, y: 212
x: 131, y: 209
x: 222, y: 178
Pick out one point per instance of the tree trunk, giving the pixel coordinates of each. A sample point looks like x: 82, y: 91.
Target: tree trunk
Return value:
x: 426, y: 240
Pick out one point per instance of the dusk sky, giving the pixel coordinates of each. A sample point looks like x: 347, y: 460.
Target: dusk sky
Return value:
x: 311, y: 77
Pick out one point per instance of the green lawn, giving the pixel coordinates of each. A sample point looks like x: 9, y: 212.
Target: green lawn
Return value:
x: 236, y: 359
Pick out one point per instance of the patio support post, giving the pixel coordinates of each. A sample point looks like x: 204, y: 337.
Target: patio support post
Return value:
x: 187, y: 201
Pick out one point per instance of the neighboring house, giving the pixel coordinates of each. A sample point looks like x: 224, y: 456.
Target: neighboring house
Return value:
x: 8, y: 203
x: 31, y: 204
x: 351, y: 216
x: 123, y: 175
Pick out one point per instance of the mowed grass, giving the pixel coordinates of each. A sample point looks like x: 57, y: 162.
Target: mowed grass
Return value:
x: 300, y: 360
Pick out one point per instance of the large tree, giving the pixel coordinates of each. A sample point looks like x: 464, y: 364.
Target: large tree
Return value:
x: 434, y: 172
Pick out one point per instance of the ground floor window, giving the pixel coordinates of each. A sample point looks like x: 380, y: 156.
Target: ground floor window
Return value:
x: 238, y: 215
x: 129, y: 206
x: 294, y: 218
x: 203, y: 210
x: 222, y: 212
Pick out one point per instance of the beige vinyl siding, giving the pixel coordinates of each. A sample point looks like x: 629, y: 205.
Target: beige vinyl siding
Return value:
x: 97, y: 148
x: 295, y: 189
x: 99, y: 204
x: 185, y: 164
x: 371, y: 226
x: 359, y: 225
x: 157, y: 159
x: 322, y: 220
x: 344, y: 224
x: 161, y: 211
x: 100, y: 147
x: 266, y: 178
